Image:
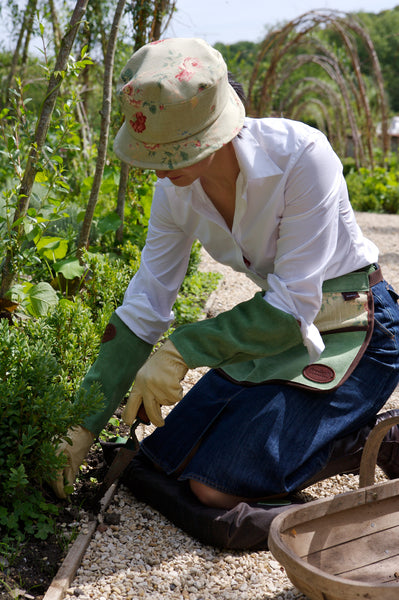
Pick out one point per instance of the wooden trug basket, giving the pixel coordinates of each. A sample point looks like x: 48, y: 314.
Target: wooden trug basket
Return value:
x: 345, y: 547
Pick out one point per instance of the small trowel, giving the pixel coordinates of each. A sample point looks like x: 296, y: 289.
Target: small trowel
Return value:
x: 124, y: 455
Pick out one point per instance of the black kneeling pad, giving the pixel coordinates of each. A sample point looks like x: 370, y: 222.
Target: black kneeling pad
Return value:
x: 245, y: 527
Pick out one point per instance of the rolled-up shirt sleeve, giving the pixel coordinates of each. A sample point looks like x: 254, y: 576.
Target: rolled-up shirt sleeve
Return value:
x: 149, y: 298
x: 308, y: 237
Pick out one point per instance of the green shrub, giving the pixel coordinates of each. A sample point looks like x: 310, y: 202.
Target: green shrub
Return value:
x: 108, y: 278
x: 36, y: 414
x: 348, y: 164
x: 193, y: 295
x: 375, y: 190
x: 74, y: 338
x: 195, y: 290
x: 42, y: 363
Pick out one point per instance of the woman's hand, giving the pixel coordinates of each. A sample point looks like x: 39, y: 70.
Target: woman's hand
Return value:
x: 75, y: 452
x: 157, y: 383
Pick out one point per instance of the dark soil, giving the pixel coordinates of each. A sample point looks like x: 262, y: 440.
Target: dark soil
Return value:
x: 30, y: 573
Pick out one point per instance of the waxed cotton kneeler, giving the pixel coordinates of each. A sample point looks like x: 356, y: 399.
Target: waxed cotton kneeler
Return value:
x: 245, y: 527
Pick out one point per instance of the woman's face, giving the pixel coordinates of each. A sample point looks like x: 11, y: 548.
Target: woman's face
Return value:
x: 186, y: 175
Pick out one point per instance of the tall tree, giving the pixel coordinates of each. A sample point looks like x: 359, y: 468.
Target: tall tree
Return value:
x: 38, y: 143
x: 104, y: 130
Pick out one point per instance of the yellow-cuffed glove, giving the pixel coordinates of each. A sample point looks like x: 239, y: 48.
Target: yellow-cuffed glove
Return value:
x: 82, y: 440
x: 157, y: 383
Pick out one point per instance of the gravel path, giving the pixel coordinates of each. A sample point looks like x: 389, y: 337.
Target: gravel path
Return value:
x: 145, y: 556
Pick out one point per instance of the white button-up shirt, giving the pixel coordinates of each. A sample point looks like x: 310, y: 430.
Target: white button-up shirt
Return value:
x: 293, y: 228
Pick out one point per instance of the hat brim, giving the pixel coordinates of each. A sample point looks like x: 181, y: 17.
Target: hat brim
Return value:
x: 184, y: 152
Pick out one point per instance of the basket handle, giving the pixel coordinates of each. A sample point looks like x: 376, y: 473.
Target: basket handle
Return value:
x: 371, y: 449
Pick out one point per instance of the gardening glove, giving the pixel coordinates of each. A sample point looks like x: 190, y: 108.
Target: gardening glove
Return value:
x: 250, y: 330
x: 157, y: 383
x: 121, y: 355
x: 82, y: 440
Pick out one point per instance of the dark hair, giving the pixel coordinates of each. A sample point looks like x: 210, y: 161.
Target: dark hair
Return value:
x: 239, y: 90
x: 237, y: 87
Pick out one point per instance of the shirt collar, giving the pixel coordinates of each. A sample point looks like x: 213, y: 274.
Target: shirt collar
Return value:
x: 254, y: 161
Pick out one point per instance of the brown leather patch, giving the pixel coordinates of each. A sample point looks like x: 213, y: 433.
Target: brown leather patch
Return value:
x: 319, y: 373
x: 109, y: 333
x: 350, y: 295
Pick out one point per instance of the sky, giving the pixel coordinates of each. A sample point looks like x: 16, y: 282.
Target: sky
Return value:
x: 230, y: 21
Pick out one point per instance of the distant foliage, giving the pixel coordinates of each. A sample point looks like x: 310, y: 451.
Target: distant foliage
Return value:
x: 196, y: 288
x: 375, y: 190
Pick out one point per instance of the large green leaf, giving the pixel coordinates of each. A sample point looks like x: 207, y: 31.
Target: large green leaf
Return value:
x: 109, y: 223
x: 70, y: 268
x: 41, y: 297
x: 52, y: 248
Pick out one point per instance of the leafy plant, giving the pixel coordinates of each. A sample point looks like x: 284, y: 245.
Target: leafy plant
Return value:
x: 375, y: 190
x: 195, y: 290
x: 138, y: 208
x: 108, y: 277
x: 193, y: 294
x: 36, y: 414
x: 26, y: 240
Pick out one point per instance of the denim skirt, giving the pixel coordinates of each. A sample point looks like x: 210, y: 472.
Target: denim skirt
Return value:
x: 261, y: 440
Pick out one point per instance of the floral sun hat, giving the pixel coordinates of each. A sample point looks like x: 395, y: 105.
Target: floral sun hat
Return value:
x: 178, y: 104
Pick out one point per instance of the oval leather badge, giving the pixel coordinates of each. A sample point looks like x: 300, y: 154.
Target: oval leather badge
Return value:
x: 319, y: 373
x: 109, y: 333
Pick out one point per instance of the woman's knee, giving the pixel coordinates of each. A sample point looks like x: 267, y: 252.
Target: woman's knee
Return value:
x: 211, y: 497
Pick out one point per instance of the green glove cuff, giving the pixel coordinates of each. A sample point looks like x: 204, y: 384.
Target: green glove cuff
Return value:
x: 121, y: 355
x: 250, y: 330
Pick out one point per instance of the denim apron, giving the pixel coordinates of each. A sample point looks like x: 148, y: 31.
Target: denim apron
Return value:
x: 267, y: 439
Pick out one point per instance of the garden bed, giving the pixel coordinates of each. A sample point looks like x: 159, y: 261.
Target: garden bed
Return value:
x: 31, y: 572
x: 227, y: 574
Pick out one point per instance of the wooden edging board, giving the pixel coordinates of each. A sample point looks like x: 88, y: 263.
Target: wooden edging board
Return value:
x: 67, y: 571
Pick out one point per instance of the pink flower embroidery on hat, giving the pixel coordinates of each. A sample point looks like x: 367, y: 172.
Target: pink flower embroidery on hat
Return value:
x: 130, y: 92
x: 187, y: 69
x: 139, y: 124
x: 135, y: 103
x: 151, y: 146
